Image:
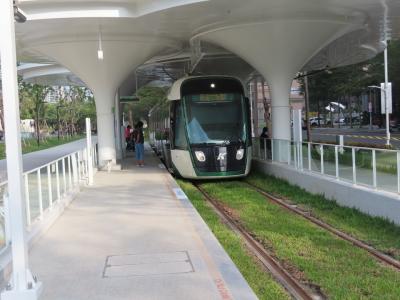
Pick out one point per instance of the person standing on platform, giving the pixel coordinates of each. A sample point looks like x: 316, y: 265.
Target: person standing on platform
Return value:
x: 264, y: 139
x: 127, y: 136
x: 139, y: 144
x: 264, y: 133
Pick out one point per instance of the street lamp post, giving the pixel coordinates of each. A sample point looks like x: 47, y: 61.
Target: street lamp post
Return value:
x: 385, y: 93
x: 386, y: 97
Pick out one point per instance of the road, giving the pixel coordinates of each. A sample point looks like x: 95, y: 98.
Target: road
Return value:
x: 355, y: 135
x: 36, y: 159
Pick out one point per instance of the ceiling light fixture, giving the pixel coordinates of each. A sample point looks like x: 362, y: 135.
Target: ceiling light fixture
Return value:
x: 100, y: 53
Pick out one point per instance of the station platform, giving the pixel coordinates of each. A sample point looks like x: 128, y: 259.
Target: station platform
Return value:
x: 134, y: 235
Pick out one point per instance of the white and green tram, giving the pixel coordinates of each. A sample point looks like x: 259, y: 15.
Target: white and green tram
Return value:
x: 203, y: 130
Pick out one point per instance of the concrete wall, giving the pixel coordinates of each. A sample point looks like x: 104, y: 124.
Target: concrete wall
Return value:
x: 375, y: 203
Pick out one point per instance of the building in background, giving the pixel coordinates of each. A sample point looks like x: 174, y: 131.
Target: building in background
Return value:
x: 261, y: 102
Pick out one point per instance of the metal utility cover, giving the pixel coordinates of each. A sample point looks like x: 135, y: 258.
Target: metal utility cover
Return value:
x: 148, y: 264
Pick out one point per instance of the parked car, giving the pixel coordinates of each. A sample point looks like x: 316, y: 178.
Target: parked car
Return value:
x: 315, y: 121
x: 339, y: 121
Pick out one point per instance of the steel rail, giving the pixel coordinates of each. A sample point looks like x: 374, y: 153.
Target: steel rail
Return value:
x: 292, y: 285
x: 377, y: 254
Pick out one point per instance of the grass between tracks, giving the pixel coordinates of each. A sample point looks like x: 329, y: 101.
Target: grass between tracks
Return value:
x: 375, y: 231
x: 313, y: 255
x: 262, y: 283
x: 30, y: 145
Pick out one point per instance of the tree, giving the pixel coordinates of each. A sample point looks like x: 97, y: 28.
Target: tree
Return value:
x: 32, y: 98
x: 349, y: 82
x: 72, y: 106
x: 149, y: 97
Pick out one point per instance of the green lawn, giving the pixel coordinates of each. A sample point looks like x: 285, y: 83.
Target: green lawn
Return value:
x: 30, y: 145
x: 378, y: 232
x: 313, y: 254
x: 262, y: 283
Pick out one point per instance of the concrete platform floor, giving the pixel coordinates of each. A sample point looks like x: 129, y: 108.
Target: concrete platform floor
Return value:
x: 134, y: 236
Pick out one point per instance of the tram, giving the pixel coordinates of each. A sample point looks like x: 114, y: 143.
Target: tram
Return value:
x: 203, y: 129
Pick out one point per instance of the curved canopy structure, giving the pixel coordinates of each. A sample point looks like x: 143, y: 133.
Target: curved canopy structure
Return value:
x: 278, y: 38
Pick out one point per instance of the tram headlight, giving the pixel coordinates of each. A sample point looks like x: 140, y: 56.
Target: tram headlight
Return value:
x: 200, y: 156
x: 239, y: 154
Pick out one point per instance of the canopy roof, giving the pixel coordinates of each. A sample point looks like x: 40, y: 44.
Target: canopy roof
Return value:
x: 173, y: 24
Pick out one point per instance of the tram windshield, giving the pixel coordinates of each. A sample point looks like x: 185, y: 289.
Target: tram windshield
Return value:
x: 215, y: 118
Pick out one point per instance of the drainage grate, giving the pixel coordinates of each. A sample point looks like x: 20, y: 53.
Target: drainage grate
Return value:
x: 148, y: 264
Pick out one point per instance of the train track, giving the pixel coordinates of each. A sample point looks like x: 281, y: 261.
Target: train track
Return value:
x: 291, y: 284
x: 377, y: 254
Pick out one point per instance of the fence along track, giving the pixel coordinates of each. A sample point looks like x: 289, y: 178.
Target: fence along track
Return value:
x: 377, y: 254
x: 295, y: 288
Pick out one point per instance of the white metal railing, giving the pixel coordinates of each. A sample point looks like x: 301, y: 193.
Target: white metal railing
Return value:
x: 46, y: 186
x: 375, y: 168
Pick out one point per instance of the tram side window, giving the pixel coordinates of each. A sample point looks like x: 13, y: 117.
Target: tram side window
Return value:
x: 179, y: 136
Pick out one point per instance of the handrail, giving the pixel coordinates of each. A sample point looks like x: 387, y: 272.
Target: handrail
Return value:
x: 48, y: 163
x: 49, y: 187
x: 360, y: 168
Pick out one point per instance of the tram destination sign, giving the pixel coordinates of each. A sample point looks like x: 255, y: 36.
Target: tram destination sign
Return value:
x: 213, y: 97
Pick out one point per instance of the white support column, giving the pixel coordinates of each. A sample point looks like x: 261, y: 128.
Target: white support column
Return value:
x: 117, y: 128
x: 280, y: 115
x: 89, y: 151
x: 105, y: 126
x: 23, y: 286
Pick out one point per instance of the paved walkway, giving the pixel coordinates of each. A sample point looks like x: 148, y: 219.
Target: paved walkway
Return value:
x: 131, y: 237
x: 39, y: 158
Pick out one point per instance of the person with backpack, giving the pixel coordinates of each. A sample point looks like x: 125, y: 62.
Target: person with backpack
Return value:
x: 139, y: 144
